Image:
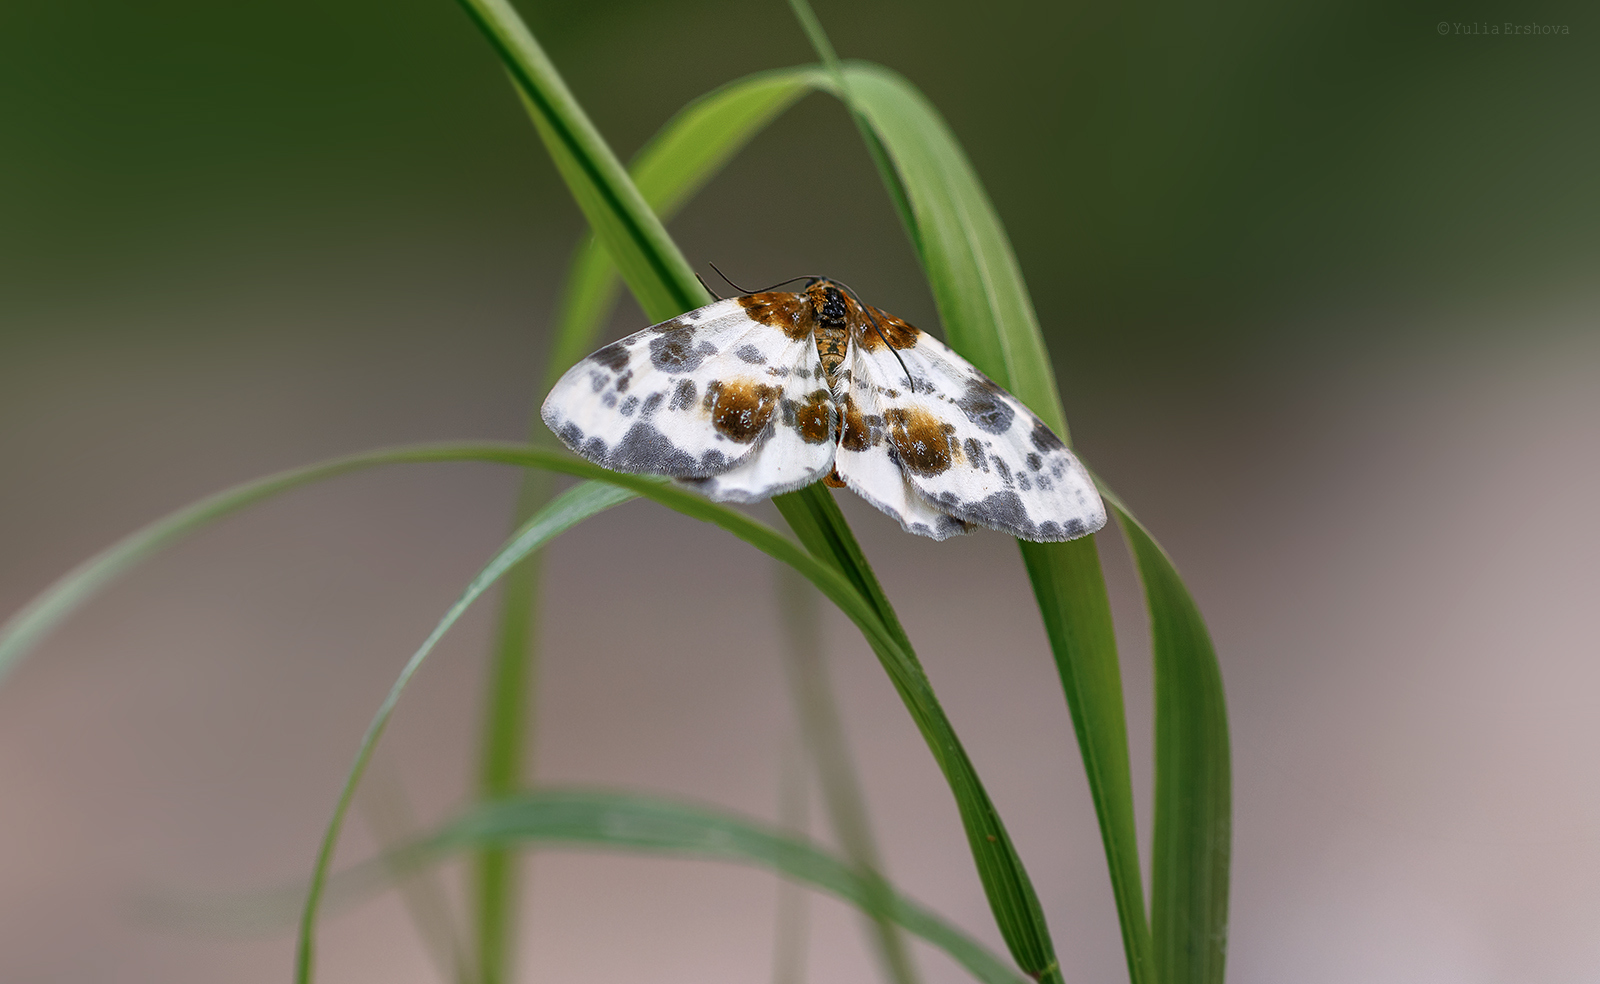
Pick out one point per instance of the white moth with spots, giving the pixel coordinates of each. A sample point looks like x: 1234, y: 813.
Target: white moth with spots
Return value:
x: 758, y: 395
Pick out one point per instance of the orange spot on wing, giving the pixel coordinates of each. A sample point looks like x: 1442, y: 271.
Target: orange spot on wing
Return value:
x: 740, y: 408
x: 854, y: 435
x: 923, y: 441
x: 812, y: 417
x: 900, y: 334
x: 784, y: 310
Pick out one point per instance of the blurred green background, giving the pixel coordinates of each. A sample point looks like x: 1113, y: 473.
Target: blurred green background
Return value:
x: 1320, y: 284
x: 1177, y: 180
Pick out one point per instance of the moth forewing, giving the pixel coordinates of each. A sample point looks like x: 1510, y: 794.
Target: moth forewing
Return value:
x: 698, y: 397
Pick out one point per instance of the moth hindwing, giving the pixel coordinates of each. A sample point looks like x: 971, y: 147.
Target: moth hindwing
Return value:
x: 765, y: 393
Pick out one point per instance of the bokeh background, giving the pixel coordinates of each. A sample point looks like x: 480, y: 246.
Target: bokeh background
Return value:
x: 1319, y: 281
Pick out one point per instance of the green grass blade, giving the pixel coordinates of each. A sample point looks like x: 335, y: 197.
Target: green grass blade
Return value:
x: 567, y: 510
x: 639, y: 823
x: 664, y: 287
x: 976, y: 282
x: 791, y: 925
x: 903, y: 668
x: 36, y: 618
x: 668, y: 171
x: 30, y: 624
x: 840, y: 85
x: 1070, y: 591
x: 977, y: 813
x: 676, y: 163
x: 555, y: 817
x: 1193, y: 802
x: 384, y: 806
x: 815, y: 518
x: 503, y: 747
x: 822, y: 728
x: 649, y: 260
x: 988, y: 316
x: 700, y: 140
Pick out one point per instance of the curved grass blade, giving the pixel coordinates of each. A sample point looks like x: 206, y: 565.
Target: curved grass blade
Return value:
x: 827, y: 749
x: 30, y: 624
x: 639, y: 823
x: 904, y: 671
x: 614, y: 821
x: 791, y: 925
x: 663, y: 284
x: 1193, y: 802
x: 650, y: 262
x: 389, y: 818
x: 580, y: 818
x: 976, y: 282
x: 567, y: 510
x: 668, y: 170
x: 840, y: 85
x: 988, y: 316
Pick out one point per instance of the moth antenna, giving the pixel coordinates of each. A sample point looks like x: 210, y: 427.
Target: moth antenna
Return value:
x: 730, y: 283
x: 744, y: 290
x: 707, y: 286
x: 910, y: 382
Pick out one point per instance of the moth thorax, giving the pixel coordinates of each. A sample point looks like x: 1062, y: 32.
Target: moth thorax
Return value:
x: 832, y: 310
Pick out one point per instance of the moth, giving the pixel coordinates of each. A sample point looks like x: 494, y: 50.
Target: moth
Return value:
x: 764, y: 393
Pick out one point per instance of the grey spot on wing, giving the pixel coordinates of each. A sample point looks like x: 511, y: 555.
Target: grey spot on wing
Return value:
x: 1044, y: 438
x: 975, y: 454
x: 622, y: 381
x: 676, y: 352
x: 598, y: 381
x: 1003, y: 468
x: 645, y: 449
x: 950, y: 525
x: 651, y: 403
x: 571, y: 435
x: 680, y: 323
x: 610, y: 400
x: 1002, y: 509
x: 683, y: 396
x: 629, y: 406
x: 985, y: 407
x: 614, y: 357
x: 1005, y: 511
x: 1034, y: 461
x: 750, y: 354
